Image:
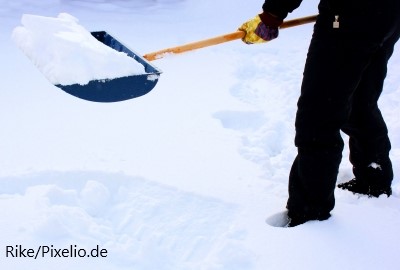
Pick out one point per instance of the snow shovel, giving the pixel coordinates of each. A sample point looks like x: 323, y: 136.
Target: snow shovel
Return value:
x: 124, y: 88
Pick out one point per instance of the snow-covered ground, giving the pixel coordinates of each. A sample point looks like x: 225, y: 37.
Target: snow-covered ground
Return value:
x: 186, y: 176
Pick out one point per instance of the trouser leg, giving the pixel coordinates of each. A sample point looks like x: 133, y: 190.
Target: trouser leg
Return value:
x: 332, y: 72
x: 369, y: 141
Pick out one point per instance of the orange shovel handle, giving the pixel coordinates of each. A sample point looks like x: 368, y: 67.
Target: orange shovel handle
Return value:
x: 221, y: 39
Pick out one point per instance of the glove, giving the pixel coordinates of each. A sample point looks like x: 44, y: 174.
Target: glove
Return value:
x: 261, y: 28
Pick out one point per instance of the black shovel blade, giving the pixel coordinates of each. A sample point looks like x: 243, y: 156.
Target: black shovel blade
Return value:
x: 118, y: 89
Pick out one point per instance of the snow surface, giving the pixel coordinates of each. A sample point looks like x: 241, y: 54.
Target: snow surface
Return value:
x: 66, y: 53
x: 186, y: 176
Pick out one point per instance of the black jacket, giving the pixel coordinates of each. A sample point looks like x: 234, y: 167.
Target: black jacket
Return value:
x: 281, y: 8
x: 364, y: 19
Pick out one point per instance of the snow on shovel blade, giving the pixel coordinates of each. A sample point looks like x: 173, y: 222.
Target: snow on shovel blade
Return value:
x: 118, y: 89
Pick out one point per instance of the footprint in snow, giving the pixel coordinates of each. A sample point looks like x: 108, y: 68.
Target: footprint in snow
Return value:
x: 280, y: 219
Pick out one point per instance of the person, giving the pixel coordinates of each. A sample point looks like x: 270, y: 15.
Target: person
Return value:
x: 343, y: 78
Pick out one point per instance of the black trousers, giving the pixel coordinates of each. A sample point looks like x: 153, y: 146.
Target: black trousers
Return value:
x: 343, y: 79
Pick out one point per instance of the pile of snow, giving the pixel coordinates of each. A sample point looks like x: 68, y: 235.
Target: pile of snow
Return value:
x: 66, y: 53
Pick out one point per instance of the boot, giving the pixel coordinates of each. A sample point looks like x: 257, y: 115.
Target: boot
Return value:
x: 295, y: 220
x: 357, y: 186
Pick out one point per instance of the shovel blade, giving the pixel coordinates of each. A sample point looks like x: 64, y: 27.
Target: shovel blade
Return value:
x: 118, y: 89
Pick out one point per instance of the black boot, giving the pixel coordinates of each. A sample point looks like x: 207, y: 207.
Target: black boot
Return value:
x: 296, y: 219
x: 361, y: 187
